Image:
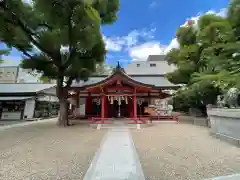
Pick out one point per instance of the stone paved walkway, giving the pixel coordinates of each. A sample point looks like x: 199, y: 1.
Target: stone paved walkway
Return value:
x: 117, y: 158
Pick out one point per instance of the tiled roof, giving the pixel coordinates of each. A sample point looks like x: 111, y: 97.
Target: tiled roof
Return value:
x: 156, y: 58
x: 14, y: 98
x: 158, y: 81
x: 23, y: 87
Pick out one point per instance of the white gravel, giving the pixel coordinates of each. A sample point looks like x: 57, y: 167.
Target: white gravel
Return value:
x: 43, y: 151
x: 184, y: 152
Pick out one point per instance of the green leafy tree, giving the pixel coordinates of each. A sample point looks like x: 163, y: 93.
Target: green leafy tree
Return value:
x: 221, y: 57
x: 60, y: 39
x: 193, y: 59
x: 208, y: 57
x: 103, y: 69
x: 233, y: 15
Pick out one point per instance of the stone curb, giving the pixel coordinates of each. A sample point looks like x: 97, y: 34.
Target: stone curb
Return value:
x: 230, y: 177
x: 225, y: 138
x: 27, y: 123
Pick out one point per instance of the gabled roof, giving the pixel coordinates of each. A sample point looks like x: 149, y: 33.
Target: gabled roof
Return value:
x: 24, y: 87
x: 119, y: 71
x: 158, y: 81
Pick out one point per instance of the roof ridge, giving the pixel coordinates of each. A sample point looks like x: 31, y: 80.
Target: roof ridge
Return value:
x: 28, y: 83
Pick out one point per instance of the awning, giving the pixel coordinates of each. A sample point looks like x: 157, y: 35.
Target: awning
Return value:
x: 15, y: 98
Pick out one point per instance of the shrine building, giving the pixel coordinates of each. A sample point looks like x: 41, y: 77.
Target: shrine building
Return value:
x: 125, y: 92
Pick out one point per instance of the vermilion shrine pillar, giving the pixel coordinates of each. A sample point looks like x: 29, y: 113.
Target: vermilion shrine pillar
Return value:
x: 135, y: 107
x: 102, y: 107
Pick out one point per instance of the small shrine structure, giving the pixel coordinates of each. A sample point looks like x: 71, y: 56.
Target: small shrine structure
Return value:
x: 118, y: 95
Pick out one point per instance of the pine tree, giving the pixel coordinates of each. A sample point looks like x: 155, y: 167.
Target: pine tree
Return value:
x: 60, y: 39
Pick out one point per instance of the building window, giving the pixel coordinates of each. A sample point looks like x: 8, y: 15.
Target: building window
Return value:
x: 138, y: 65
x: 152, y: 65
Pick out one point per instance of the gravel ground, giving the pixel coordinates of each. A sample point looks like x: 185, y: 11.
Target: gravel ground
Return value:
x: 44, y: 151
x: 170, y: 151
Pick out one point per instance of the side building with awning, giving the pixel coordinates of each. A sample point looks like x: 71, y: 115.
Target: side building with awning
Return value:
x: 27, y: 101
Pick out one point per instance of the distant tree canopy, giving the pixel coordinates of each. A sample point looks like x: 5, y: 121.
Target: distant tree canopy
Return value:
x: 208, y: 57
x: 3, y: 52
x: 60, y: 39
x: 103, y: 69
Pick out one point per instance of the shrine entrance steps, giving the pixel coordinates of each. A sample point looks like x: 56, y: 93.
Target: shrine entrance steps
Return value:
x: 120, y: 123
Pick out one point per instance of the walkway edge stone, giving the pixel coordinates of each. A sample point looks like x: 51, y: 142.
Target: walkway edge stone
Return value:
x: 138, y: 163
x: 100, y: 162
x: 93, y: 163
x: 26, y: 123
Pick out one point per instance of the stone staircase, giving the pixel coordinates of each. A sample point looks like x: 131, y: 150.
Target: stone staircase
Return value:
x: 119, y: 123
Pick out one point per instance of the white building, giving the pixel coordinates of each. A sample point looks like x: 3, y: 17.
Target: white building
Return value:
x: 27, y: 100
x: 15, y: 74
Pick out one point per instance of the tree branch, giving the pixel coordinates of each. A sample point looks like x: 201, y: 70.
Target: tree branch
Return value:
x: 72, y: 48
x: 45, y: 25
x: 31, y: 35
x: 69, y: 81
x: 24, y: 51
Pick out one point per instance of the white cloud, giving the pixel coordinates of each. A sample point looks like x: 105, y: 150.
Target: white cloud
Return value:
x: 112, y: 45
x: 120, y: 43
x: 222, y: 12
x: 173, y: 44
x: 142, y: 51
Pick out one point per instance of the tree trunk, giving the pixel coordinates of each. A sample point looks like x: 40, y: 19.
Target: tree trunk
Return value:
x: 62, y: 96
x: 63, y: 112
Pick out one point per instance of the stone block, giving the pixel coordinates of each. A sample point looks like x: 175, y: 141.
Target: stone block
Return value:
x: 225, y: 124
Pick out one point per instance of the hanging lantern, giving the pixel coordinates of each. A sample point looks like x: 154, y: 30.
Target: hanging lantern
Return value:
x: 140, y: 101
x: 157, y: 102
x: 98, y: 102
x: 119, y: 100
x: 112, y: 100
x: 126, y: 99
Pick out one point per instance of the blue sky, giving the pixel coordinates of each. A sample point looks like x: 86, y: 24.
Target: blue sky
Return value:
x: 147, y: 27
